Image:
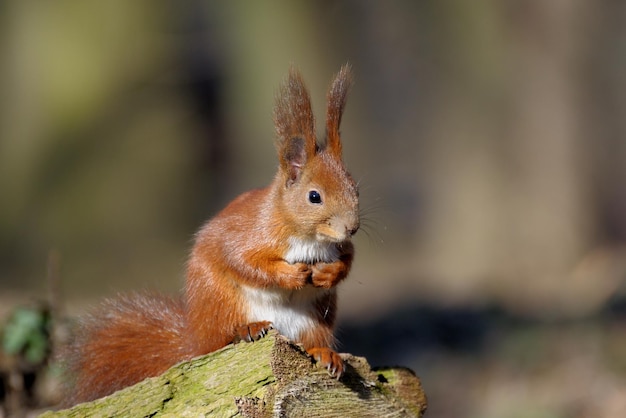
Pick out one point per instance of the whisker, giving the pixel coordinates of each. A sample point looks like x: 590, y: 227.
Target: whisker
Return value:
x: 370, y: 228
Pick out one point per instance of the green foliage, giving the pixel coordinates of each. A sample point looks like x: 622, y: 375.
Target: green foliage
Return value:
x: 26, y: 334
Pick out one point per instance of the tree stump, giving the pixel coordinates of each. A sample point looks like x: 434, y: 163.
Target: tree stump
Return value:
x: 272, y: 377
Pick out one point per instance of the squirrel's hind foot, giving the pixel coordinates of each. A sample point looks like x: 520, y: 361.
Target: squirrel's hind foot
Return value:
x: 252, y: 331
x: 329, y: 359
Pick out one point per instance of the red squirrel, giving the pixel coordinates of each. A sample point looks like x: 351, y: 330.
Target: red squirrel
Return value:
x: 272, y: 258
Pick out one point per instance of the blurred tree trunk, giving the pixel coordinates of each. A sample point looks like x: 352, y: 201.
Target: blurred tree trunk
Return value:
x: 550, y: 223
x: 511, y: 207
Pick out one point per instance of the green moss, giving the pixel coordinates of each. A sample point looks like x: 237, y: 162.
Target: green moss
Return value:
x: 271, y: 376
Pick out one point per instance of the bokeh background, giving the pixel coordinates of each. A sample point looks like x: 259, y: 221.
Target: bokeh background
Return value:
x: 489, y: 139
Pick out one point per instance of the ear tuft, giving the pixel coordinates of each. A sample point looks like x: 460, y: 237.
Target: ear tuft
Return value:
x: 337, y: 97
x: 295, y: 125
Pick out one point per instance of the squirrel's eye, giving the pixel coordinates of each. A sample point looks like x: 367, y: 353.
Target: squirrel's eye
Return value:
x: 315, y: 197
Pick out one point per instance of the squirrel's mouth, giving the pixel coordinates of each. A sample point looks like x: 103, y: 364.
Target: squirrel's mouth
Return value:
x: 332, y: 235
x: 332, y: 239
x: 338, y: 229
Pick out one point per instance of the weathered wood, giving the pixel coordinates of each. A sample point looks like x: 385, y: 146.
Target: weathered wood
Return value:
x: 269, y: 378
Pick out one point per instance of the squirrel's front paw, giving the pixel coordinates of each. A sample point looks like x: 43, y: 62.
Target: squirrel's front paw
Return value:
x: 328, y: 359
x: 252, y: 331
x: 328, y: 275
x: 294, y: 276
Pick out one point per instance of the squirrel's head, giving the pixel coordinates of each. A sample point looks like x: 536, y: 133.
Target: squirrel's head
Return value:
x: 318, y: 196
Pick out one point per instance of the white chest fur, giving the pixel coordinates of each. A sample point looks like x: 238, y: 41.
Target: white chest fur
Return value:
x: 290, y: 311
x: 311, y: 251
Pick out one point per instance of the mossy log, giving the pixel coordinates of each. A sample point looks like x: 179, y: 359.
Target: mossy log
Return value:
x: 269, y: 378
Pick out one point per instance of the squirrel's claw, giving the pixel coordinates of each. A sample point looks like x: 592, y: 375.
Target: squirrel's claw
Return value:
x: 252, y: 332
x: 328, y: 359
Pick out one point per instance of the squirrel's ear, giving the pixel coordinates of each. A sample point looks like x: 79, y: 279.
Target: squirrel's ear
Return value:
x: 295, y: 126
x: 337, y: 97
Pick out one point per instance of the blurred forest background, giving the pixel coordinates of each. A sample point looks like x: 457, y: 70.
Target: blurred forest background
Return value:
x: 489, y: 139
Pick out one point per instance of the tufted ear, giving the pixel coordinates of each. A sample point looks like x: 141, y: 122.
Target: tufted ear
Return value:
x: 295, y: 126
x: 337, y: 97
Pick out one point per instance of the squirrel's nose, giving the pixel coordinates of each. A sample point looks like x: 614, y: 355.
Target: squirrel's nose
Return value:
x: 353, y: 230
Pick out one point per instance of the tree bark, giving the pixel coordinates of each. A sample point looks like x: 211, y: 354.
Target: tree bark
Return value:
x: 269, y: 378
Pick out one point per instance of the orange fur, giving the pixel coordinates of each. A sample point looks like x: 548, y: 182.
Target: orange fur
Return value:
x: 126, y: 340
x: 273, y: 255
